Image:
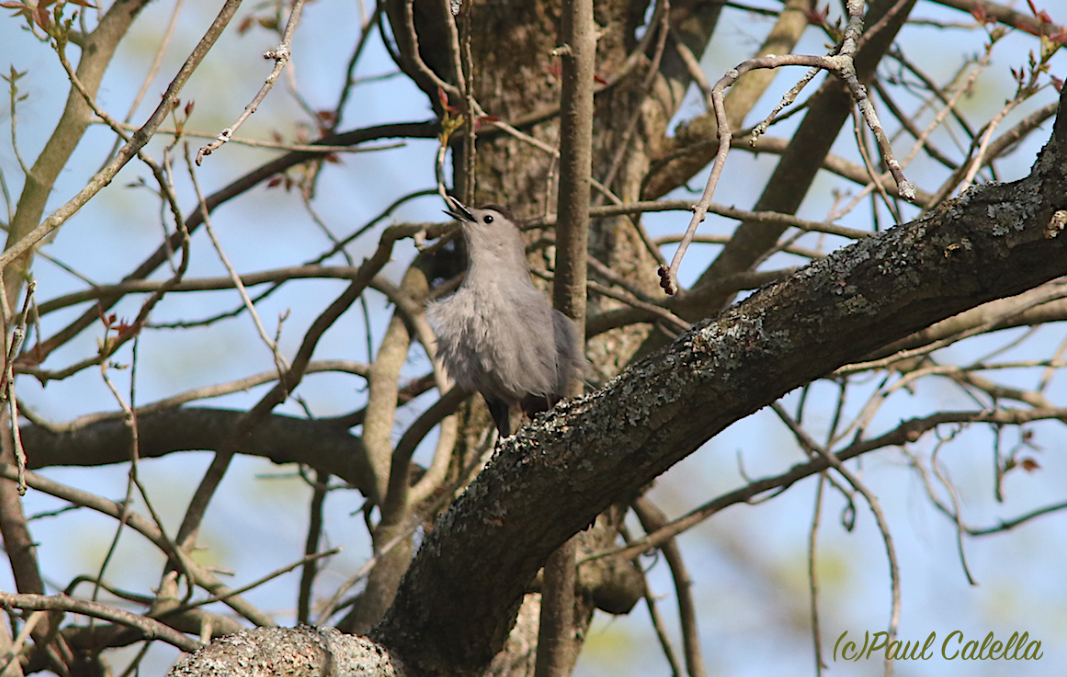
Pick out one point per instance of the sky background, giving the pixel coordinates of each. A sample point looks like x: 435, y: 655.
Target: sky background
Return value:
x: 748, y: 564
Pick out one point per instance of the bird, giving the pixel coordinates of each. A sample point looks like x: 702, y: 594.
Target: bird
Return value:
x: 498, y: 335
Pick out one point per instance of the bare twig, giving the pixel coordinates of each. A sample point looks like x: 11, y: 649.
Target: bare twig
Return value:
x: 280, y: 55
x: 365, y: 30
x: 153, y: 69
x: 211, y: 391
x: 651, y: 311
x: 945, y: 482
x: 813, y: 577
x: 151, y: 629
x: 17, y: 336
x: 265, y: 143
x: 279, y: 360
x: 655, y: 617
x: 223, y: 596
x: 876, y: 509
x: 652, y: 518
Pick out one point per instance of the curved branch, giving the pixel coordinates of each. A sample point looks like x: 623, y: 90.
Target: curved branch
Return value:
x: 653, y: 519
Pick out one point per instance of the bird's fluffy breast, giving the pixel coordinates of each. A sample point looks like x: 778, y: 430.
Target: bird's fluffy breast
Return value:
x: 501, y: 343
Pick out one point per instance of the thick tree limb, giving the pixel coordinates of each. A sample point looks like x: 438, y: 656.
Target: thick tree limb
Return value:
x: 304, y: 652
x: 282, y: 439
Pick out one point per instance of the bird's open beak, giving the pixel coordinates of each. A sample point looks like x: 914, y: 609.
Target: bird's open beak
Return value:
x: 459, y: 211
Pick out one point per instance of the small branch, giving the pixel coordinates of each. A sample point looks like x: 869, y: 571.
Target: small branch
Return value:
x: 655, y: 617
x: 8, y: 389
x: 365, y: 30
x: 557, y: 648
x: 305, y: 272
x: 955, y: 511
x: 652, y: 519
x: 130, y: 421
x: 223, y: 596
x: 151, y: 629
x: 397, y: 499
x: 770, y: 218
x: 872, y: 172
x: 263, y: 143
x: 876, y: 509
x: 281, y: 55
x: 279, y: 361
x: 208, y: 392
x: 675, y: 323
x: 194, y: 512
x: 150, y: 76
x: 813, y: 578
x: 311, y: 546
x: 692, y: 65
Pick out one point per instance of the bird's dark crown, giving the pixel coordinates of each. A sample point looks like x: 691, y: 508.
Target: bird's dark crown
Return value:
x: 503, y: 211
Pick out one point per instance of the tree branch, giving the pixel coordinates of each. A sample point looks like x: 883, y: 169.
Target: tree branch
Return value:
x: 281, y: 439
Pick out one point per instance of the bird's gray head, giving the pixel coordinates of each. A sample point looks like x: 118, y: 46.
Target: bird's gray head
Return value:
x: 492, y: 234
x: 489, y: 217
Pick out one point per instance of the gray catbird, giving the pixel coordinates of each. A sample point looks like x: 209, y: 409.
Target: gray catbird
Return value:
x: 498, y: 334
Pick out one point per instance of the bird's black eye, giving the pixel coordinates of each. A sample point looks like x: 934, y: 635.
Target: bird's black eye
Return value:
x: 488, y: 218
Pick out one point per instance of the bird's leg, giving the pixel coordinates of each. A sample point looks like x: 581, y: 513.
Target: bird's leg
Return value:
x: 532, y: 405
x: 501, y: 413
